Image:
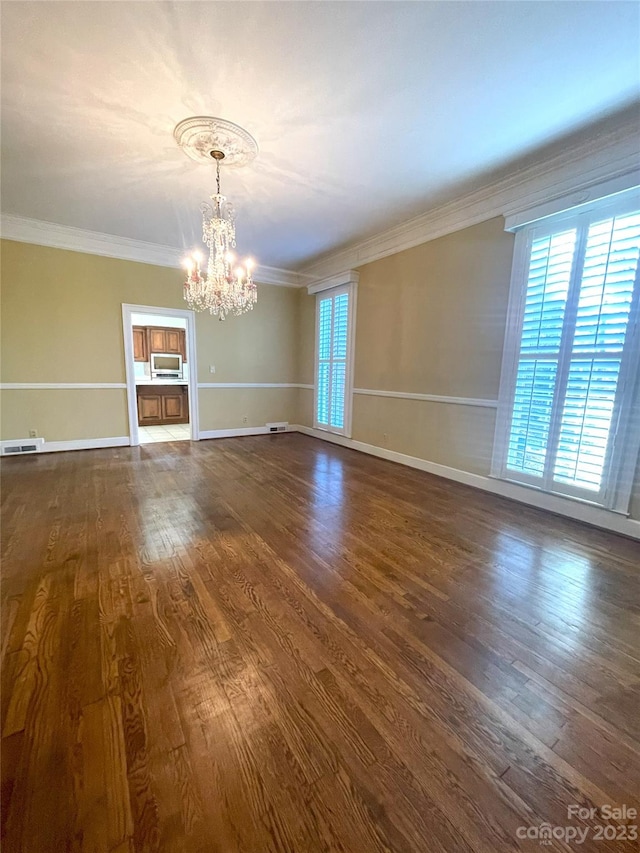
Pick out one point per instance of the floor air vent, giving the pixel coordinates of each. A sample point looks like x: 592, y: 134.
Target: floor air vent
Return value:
x: 22, y: 445
x: 282, y: 427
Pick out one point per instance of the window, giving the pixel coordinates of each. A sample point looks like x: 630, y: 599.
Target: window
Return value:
x: 334, y: 313
x: 565, y: 413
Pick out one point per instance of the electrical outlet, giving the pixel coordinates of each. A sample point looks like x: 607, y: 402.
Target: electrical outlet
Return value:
x: 33, y: 433
x: 245, y: 419
x: 212, y: 368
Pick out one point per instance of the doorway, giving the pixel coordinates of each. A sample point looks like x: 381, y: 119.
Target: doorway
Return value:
x: 160, y: 361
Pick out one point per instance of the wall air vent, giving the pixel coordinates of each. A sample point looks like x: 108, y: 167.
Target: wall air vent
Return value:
x: 22, y: 445
x: 280, y: 427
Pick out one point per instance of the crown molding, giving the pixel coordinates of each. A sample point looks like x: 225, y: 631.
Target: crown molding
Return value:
x: 25, y: 230
x: 596, y: 156
x: 592, y: 159
x: 623, y: 187
x: 342, y: 278
x: 283, y: 278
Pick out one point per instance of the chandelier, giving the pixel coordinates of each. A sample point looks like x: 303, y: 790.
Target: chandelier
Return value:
x: 226, y: 286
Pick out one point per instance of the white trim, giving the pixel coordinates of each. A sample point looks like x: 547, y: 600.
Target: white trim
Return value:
x: 41, y: 233
x: 230, y: 433
x: 282, y: 278
x: 58, y: 386
x: 342, y: 279
x: 431, y: 398
x: 132, y: 405
x: 351, y: 355
x: 25, y: 230
x: 21, y: 442
x: 48, y: 386
x: 576, y: 202
x: 210, y: 385
x: 627, y: 460
x: 316, y: 359
x: 625, y: 449
x: 85, y: 444
x: 577, y: 510
x: 511, y: 348
x: 600, y: 153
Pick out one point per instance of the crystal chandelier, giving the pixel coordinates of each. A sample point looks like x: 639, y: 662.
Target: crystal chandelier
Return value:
x: 226, y: 286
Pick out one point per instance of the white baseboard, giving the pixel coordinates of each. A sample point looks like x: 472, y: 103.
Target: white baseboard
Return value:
x: 229, y: 433
x: 595, y: 516
x: 85, y: 444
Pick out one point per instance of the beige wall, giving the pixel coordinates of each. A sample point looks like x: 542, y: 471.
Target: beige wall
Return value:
x: 65, y: 415
x: 306, y: 336
x: 430, y: 320
x: 306, y: 359
x: 226, y: 408
x: 304, y: 407
x: 259, y: 346
x: 457, y: 436
x: 62, y: 323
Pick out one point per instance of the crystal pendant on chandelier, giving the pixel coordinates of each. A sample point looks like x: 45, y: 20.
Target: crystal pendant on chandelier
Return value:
x: 227, y: 286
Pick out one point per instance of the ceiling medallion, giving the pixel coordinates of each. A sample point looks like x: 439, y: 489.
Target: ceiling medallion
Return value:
x: 199, y: 136
x: 227, y: 287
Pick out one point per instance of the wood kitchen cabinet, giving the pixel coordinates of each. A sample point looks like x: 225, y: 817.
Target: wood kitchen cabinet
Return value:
x: 162, y: 404
x: 156, y: 339
x: 149, y: 409
x: 174, y: 341
x: 167, y: 340
x: 140, y: 349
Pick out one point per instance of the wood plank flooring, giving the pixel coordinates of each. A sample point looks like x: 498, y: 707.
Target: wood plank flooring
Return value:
x: 276, y: 645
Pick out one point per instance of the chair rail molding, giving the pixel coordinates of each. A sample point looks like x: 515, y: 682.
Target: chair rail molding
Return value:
x: 58, y: 386
x: 429, y: 398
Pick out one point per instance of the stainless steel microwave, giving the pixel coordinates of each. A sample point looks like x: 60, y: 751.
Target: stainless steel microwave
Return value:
x: 166, y: 365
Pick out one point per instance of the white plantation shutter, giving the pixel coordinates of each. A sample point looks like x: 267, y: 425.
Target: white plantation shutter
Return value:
x: 604, y: 304
x: 550, y: 266
x: 576, y: 346
x: 532, y: 406
x: 325, y: 325
x: 333, y: 331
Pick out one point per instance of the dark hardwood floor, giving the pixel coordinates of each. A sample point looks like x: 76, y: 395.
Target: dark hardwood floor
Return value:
x: 275, y: 644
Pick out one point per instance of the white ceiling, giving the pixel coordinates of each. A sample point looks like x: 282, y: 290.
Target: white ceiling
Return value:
x: 366, y: 113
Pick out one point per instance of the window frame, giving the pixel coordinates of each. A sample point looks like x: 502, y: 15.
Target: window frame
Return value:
x: 624, y: 441
x: 331, y: 292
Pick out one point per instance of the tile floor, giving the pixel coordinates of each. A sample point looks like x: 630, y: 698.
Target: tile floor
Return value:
x: 170, y: 432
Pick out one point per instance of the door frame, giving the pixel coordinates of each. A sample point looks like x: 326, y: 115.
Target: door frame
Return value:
x: 132, y: 404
